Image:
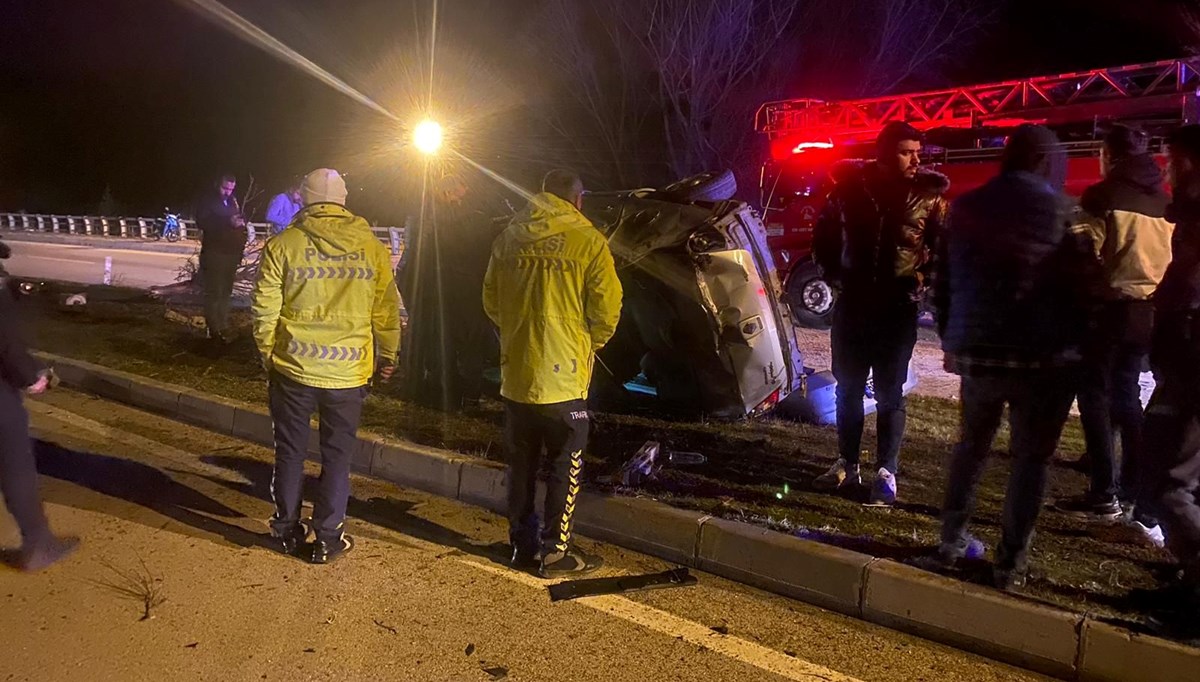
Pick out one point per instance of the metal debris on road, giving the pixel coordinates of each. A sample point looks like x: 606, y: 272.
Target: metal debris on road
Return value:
x: 591, y: 587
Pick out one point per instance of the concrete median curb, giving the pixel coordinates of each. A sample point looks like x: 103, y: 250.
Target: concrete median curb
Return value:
x: 1007, y: 628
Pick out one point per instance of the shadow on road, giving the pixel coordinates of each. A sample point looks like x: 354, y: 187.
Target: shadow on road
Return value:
x: 140, y: 484
x: 387, y: 513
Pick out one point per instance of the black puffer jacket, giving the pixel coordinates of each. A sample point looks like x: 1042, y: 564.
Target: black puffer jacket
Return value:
x: 875, y: 240
x: 1176, y: 346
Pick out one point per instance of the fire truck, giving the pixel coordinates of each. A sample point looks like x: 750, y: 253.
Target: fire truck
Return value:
x: 965, y: 132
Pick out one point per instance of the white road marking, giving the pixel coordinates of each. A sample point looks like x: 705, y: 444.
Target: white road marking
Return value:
x: 735, y: 648
x: 756, y: 655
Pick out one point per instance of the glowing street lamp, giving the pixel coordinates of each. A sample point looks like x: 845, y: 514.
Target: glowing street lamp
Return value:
x: 427, y: 137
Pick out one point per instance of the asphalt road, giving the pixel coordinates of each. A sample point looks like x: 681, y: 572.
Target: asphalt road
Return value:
x: 85, y: 264
x: 179, y: 512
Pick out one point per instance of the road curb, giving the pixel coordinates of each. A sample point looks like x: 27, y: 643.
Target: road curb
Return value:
x: 985, y: 621
x: 185, y: 247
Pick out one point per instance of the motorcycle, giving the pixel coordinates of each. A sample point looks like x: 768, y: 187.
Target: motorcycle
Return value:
x: 169, y: 227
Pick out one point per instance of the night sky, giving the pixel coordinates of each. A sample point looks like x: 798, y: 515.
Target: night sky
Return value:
x: 149, y: 100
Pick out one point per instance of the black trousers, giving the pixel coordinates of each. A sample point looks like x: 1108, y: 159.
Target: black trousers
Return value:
x: 562, y: 431
x: 18, y: 469
x: 875, y: 344
x: 1110, y: 397
x: 1038, y: 405
x: 339, y: 411
x: 218, y: 270
x: 1173, y: 443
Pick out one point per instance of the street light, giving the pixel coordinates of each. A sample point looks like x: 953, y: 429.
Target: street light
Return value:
x: 427, y: 136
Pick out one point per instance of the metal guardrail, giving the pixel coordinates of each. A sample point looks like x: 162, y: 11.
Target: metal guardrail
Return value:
x: 144, y: 228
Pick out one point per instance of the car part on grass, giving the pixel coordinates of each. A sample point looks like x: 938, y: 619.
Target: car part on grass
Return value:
x: 645, y: 463
x: 592, y: 587
x: 710, y: 186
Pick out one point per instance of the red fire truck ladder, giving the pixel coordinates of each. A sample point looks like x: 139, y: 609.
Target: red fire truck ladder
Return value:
x: 1166, y: 88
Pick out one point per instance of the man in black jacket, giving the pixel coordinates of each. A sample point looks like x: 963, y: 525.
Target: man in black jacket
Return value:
x: 20, y: 372
x: 223, y: 245
x: 1009, y: 292
x: 1131, y: 238
x: 874, y: 242
x: 1173, y: 416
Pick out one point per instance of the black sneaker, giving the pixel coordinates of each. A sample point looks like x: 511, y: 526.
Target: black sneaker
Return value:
x: 1091, y: 507
x: 326, y: 552
x: 44, y: 554
x: 570, y: 563
x: 1009, y: 580
x: 294, y: 543
x: 524, y: 560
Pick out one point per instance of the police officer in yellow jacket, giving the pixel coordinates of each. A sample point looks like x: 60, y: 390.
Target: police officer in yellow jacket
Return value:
x: 326, y: 318
x: 552, y: 289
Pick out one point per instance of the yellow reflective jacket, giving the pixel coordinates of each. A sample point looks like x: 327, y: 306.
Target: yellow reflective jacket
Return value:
x: 552, y: 289
x: 325, y: 301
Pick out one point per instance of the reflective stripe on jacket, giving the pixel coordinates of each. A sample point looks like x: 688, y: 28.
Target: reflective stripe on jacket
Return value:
x: 325, y: 302
x: 552, y: 289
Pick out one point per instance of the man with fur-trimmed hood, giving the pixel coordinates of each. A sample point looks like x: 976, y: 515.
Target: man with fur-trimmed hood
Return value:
x: 874, y: 242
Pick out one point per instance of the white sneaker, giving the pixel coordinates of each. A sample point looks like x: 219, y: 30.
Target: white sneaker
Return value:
x: 1134, y: 533
x: 839, y: 475
x: 1153, y: 535
x: 883, y: 492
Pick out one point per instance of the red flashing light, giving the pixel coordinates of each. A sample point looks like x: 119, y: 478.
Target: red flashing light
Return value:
x: 805, y: 146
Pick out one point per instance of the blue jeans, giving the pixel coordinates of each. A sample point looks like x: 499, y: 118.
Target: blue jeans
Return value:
x: 878, y: 344
x: 1038, y: 403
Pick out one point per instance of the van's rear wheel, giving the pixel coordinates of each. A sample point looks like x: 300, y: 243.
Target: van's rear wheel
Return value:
x: 810, y: 298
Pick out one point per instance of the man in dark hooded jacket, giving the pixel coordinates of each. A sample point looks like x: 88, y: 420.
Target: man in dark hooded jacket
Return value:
x: 874, y: 242
x: 1009, y: 293
x: 1131, y: 238
x: 1173, y: 416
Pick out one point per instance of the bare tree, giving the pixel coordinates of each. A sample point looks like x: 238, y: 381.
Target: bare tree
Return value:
x: 678, y: 81
x: 608, y: 80
x: 1190, y: 27
x: 705, y: 53
x: 914, y: 35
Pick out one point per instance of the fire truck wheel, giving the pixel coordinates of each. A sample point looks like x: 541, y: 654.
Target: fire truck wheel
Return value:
x: 810, y: 298
x: 711, y: 186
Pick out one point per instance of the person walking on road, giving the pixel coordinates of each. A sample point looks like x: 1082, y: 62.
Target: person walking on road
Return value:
x: 223, y: 245
x: 552, y: 289
x: 283, y: 209
x: 21, y: 373
x: 1131, y: 238
x: 326, y: 319
x: 874, y: 242
x: 1009, y: 294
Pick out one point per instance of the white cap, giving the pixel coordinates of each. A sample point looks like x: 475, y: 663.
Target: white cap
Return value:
x: 323, y: 185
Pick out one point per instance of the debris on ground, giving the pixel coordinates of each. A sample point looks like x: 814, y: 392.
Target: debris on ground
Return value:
x: 645, y: 464
x: 591, y: 587
x: 385, y: 626
x: 470, y: 649
x: 496, y: 672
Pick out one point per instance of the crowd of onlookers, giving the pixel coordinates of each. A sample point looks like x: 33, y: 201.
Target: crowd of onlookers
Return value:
x: 1040, y: 300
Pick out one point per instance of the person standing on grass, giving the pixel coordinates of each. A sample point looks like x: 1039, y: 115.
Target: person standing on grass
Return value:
x: 21, y: 373
x: 1131, y: 238
x: 874, y: 241
x: 223, y: 245
x: 283, y: 209
x: 1173, y: 416
x: 552, y: 289
x: 326, y: 319
x: 1009, y: 293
